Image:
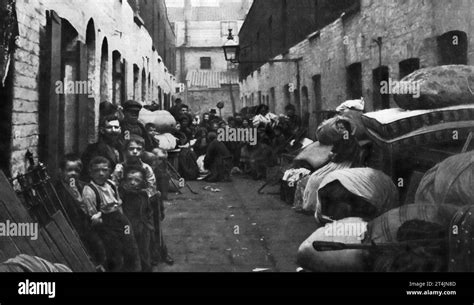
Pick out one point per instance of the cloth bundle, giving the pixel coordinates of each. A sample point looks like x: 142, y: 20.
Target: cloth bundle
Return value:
x: 294, y: 175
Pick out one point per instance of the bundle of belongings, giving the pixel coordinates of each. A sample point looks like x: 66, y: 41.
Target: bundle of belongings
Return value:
x: 411, y: 238
x: 443, y: 103
x: 337, y: 148
x: 267, y: 120
x: 435, y: 234
x: 450, y: 181
x: 28, y: 263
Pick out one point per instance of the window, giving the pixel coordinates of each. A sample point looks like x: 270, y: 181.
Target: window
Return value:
x: 272, y: 100
x: 452, y: 48
x: 381, y: 99
x: 136, y: 76
x: 305, y: 106
x: 118, y: 79
x: 205, y: 63
x: 354, y: 81
x: 408, y: 66
x: 229, y: 25
x: 318, y: 101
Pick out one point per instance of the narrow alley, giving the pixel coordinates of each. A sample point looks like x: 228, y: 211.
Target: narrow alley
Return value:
x: 235, y: 229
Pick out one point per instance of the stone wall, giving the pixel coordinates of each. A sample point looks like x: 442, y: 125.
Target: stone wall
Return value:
x: 113, y: 20
x: 201, y: 101
x: 409, y: 29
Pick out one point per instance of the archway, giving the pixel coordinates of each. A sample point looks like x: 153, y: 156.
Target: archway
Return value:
x: 104, y: 71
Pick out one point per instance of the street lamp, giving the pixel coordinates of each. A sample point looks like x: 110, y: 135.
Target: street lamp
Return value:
x: 232, y: 54
x: 231, y: 49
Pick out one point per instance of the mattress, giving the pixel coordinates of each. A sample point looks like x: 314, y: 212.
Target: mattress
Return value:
x: 440, y: 133
x: 396, y: 122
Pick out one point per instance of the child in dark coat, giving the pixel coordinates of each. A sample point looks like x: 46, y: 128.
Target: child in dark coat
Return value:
x: 137, y: 207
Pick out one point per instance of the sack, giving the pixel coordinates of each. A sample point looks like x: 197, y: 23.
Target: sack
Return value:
x: 188, y: 168
x: 315, y: 155
x: 163, y: 120
x: 351, y: 104
x: 366, y: 184
x: 439, y: 87
x: 384, y: 228
x: 355, y: 118
x: 450, y: 181
x: 167, y: 141
x: 335, y: 261
x: 310, y: 191
x: 327, y: 133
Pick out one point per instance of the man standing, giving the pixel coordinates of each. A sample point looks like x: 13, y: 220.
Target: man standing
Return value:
x: 108, y: 146
x: 175, y: 110
x: 130, y: 125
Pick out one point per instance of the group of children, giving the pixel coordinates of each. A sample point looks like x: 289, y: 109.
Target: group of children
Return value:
x: 118, y: 213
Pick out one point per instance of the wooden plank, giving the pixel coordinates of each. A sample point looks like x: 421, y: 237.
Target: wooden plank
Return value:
x: 58, y: 238
x: 74, y: 242
x: 8, y: 249
x: 58, y: 257
x: 22, y: 243
x: 42, y: 248
x: 55, y: 60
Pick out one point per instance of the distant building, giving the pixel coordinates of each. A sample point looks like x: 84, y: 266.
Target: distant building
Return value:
x: 201, y: 28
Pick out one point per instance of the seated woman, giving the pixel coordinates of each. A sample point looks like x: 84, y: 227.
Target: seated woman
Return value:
x: 218, y: 160
x: 344, y: 154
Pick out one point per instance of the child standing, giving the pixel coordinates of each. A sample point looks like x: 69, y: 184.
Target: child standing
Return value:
x: 134, y: 148
x: 102, y: 203
x: 69, y: 189
x: 137, y: 207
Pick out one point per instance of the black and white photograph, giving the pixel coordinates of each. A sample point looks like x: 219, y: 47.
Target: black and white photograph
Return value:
x: 237, y: 136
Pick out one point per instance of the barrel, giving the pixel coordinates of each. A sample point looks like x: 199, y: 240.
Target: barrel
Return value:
x: 384, y: 228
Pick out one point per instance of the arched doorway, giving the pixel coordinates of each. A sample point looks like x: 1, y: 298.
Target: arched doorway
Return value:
x: 143, y: 86
x: 104, y: 71
x: 305, y: 107
x: 91, y: 75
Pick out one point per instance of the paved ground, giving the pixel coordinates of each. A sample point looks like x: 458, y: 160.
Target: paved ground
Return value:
x: 234, y: 230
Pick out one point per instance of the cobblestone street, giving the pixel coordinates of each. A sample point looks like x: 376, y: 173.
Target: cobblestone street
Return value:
x: 234, y: 230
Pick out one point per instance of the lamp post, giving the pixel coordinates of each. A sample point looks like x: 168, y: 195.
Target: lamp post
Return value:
x: 232, y: 54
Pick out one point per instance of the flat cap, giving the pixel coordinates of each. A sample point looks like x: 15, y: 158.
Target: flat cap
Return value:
x: 132, y: 105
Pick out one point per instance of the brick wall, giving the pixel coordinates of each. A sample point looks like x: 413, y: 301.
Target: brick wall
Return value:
x: 154, y: 14
x: 113, y: 20
x: 409, y: 29
x: 272, y: 27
